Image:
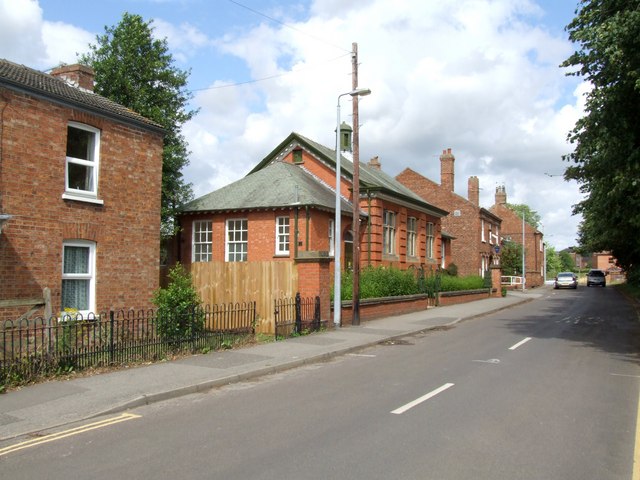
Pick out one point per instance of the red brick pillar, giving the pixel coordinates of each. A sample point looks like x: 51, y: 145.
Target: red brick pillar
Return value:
x: 314, y: 279
x: 496, y: 284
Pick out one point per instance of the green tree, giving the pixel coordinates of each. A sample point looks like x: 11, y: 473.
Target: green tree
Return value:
x: 554, y: 264
x: 606, y: 157
x: 511, y: 258
x: 567, y: 262
x: 530, y: 216
x: 136, y: 70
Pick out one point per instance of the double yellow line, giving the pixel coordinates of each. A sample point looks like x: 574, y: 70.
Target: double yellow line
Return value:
x: 68, y: 433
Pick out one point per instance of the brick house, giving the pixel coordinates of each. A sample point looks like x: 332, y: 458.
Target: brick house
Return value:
x: 80, y: 180
x: 533, y: 238
x: 475, y: 230
x: 284, y: 211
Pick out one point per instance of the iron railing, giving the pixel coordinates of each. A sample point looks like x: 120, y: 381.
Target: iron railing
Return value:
x: 296, y: 316
x: 37, y: 347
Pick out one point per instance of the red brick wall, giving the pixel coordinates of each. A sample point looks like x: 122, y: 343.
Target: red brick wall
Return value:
x: 467, y: 248
x: 126, y: 228
x: 445, y: 299
x: 370, y: 310
x: 512, y: 227
x: 261, y: 233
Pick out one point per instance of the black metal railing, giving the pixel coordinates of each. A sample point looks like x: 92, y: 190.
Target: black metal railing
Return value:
x: 297, y: 316
x: 41, y: 347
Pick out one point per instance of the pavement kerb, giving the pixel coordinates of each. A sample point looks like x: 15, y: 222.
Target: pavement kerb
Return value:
x: 149, y: 399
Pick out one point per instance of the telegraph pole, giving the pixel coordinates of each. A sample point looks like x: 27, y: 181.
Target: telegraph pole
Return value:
x: 355, y: 302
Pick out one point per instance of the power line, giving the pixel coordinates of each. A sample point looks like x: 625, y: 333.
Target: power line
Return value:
x: 269, y: 77
x: 322, y: 40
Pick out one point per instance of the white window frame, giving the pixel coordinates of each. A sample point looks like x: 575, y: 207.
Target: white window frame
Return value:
x: 92, y: 163
x: 283, y: 236
x: 202, y: 241
x: 243, y: 242
x: 412, y: 237
x: 332, y: 245
x: 496, y: 236
x: 389, y: 232
x: 89, y: 276
x: 482, y: 235
x: 430, y: 239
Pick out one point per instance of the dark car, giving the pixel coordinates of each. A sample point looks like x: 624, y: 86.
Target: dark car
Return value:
x: 565, y: 280
x: 596, y: 277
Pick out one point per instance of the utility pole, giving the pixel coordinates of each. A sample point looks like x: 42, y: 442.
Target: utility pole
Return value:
x: 355, y: 302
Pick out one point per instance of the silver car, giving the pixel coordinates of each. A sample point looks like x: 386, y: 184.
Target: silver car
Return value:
x: 566, y: 280
x: 596, y: 277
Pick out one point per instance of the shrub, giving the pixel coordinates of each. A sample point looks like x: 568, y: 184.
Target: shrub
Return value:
x: 179, y: 312
x: 452, y: 284
x: 452, y: 269
x: 376, y: 282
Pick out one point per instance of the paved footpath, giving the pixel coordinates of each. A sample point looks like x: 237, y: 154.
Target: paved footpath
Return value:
x: 60, y: 402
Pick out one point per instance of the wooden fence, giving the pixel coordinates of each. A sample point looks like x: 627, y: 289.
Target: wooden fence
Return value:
x: 232, y: 282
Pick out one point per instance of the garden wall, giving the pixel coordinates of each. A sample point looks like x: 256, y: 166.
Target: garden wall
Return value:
x: 462, y: 296
x: 373, y: 308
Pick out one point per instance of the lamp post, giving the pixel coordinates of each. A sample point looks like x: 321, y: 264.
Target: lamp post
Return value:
x: 524, y: 271
x: 337, y: 237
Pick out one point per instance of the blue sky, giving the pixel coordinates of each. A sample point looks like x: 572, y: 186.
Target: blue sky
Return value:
x: 478, y: 76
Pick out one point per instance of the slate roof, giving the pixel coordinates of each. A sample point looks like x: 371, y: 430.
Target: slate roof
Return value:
x: 371, y: 179
x: 34, y: 82
x: 278, y: 185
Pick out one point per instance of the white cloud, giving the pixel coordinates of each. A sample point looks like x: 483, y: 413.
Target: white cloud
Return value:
x: 21, y: 31
x: 183, y: 39
x: 64, y: 42
x: 26, y: 38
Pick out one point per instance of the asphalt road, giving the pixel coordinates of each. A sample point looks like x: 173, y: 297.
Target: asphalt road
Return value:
x: 548, y: 390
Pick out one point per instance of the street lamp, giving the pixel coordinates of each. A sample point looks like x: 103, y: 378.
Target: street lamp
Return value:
x: 337, y: 237
x: 524, y: 268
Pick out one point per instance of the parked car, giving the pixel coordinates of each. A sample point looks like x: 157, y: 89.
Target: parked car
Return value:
x: 566, y: 280
x: 596, y: 277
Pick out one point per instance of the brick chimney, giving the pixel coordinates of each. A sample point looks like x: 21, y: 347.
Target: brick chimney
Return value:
x: 375, y: 163
x: 501, y: 195
x: 446, y: 170
x: 76, y: 75
x: 474, y: 190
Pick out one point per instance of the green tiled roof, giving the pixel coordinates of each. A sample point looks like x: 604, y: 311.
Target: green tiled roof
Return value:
x: 371, y: 179
x: 278, y: 185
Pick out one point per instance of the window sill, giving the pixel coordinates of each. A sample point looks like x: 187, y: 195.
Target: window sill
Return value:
x: 282, y: 255
x: 81, y: 198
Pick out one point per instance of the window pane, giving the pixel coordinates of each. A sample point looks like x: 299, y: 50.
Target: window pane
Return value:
x: 75, y: 294
x: 202, y: 241
x: 76, y: 260
x: 79, y: 143
x: 237, y: 236
x: 80, y: 177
